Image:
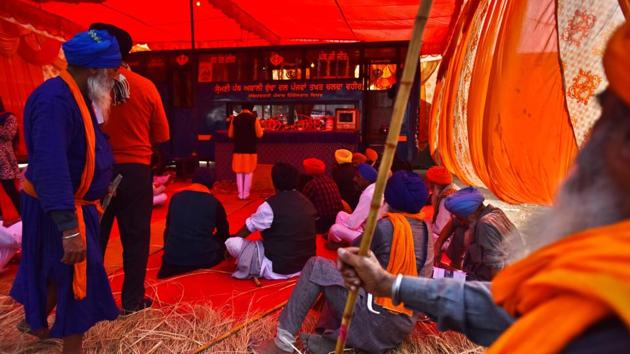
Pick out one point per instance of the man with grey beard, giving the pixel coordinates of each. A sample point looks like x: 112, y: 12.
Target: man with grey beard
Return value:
x: 69, y: 171
x: 572, y: 294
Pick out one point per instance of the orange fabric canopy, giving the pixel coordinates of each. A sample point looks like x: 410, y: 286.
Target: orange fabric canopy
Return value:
x: 165, y: 24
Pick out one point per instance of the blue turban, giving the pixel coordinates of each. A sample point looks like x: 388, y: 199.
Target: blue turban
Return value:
x: 406, y: 191
x: 464, y: 202
x: 368, y: 172
x: 93, y: 49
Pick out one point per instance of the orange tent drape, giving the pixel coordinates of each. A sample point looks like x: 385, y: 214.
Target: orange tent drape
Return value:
x: 527, y: 138
x: 500, y: 118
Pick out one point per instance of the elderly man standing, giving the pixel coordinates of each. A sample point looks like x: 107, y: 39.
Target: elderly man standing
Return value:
x: 569, y: 296
x: 69, y: 171
x: 137, y: 123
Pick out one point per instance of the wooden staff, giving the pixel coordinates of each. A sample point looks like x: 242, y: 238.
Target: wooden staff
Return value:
x: 237, y: 328
x: 400, y: 105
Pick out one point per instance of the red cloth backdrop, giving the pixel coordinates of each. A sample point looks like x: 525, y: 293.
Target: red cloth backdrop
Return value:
x: 22, y: 54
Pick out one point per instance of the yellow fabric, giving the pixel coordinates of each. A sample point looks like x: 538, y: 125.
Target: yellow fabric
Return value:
x: 616, y: 62
x: 402, y: 258
x: 564, y: 288
x: 343, y: 156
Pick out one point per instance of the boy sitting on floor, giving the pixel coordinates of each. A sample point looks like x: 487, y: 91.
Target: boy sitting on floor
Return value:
x: 287, y: 223
x: 196, y: 228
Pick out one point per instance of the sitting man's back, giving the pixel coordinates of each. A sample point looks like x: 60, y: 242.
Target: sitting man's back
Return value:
x: 287, y: 223
x: 190, y: 239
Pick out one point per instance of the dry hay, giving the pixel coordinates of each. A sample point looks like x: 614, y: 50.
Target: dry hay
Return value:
x: 426, y: 339
x: 182, y: 328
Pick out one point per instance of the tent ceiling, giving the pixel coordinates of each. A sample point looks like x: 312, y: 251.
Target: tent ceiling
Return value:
x: 165, y: 24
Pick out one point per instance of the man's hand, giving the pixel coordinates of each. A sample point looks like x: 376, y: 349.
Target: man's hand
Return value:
x: 364, y: 271
x: 73, y: 248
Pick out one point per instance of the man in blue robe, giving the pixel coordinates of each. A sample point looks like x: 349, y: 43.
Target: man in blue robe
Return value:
x: 69, y: 171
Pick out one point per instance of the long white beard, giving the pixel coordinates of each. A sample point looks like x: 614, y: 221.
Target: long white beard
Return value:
x: 100, y: 92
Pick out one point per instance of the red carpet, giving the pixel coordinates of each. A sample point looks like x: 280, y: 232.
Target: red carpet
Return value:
x: 214, y: 286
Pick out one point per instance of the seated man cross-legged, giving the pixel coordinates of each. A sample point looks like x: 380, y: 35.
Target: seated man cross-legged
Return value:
x: 347, y: 226
x: 287, y: 223
x: 481, y: 234
x: 322, y: 191
x: 401, y: 244
x: 196, y: 228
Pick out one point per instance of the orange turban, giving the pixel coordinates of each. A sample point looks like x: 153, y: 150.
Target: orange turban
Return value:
x: 343, y: 156
x: 371, y: 154
x: 358, y: 158
x: 616, y: 62
x: 313, y: 166
x: 439, y: 175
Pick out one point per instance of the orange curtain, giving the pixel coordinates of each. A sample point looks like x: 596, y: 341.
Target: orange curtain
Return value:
x: 499, y: 117
x: 527, y: 137
x: 451, y: 147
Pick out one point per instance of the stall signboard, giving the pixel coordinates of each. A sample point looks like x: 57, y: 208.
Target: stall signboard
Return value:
x: 285, y: 90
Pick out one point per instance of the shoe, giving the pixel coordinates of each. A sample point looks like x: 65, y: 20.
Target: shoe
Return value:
x: 146, y: 303
x: 317, y: 344
x: 269, y: 347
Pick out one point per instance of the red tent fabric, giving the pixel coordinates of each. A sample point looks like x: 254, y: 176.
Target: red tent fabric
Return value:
x: 165, y: 24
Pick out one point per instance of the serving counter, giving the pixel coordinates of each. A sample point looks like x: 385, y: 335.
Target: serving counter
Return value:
x: 286, y: 146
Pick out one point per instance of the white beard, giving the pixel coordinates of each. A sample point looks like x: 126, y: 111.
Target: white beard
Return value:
x: 100, y: 92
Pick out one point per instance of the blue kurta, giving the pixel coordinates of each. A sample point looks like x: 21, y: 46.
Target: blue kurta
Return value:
x: 55, y: 138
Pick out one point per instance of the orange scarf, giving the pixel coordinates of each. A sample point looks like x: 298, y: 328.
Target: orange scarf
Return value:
x: 79, y: 279
x: 402, y: 258
x: 564, y: 288
x: 196, y: 187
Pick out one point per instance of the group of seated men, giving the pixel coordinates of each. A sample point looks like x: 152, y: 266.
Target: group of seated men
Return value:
x: 406, y: 241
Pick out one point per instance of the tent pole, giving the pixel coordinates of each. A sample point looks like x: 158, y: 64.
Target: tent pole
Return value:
x: 400, y: 106
x: 192, y: 25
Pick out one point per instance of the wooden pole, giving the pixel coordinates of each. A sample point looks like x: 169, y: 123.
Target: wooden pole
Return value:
x: 400, y: 105
x: 237, y: 328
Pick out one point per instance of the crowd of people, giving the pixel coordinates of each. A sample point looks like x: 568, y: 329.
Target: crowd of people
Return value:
x: 569, y: 296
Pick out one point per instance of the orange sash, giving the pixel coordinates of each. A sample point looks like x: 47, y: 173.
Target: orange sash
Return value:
x: 79, y: 279
x: 196, y: 187
x: 402, y: 257
x: 564, y: 288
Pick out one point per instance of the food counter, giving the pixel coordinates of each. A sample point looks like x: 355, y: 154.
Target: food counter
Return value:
x: 286, y: 146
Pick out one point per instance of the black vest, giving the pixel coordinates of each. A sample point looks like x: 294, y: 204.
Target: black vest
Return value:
x: 189, y: 239
x: 245, y: 133
x: 290, y: 241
